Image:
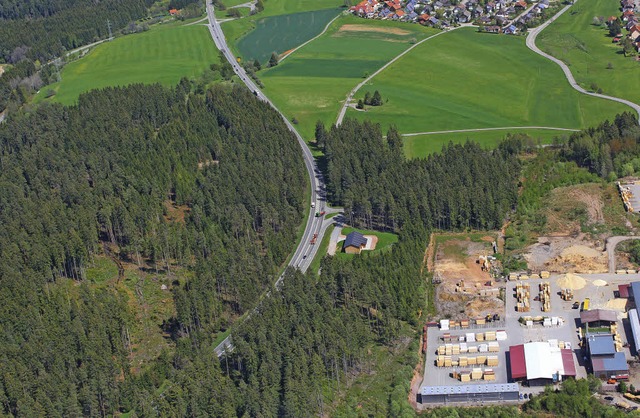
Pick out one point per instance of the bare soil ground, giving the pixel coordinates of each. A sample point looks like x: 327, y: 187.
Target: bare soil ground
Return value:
x: 567, y: 254
x: 175, y: 213
x: 368, y: 28
x: 2, y: 69
x: 372, y: 241
x: 462, y: 279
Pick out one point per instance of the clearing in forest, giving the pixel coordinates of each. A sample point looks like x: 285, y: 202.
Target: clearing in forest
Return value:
x: 465, y: 80
x: 466, y: 290
x: 164, y: 54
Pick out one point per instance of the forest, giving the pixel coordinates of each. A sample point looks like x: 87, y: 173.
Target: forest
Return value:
x: 462, y: 187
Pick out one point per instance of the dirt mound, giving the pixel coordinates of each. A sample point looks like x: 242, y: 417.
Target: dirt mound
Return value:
x: 480, y: 307
x: 599, y: 283
x: 571, y: 281
x: 580, y: 250
x: 368, y: 28
x: 617, y: 304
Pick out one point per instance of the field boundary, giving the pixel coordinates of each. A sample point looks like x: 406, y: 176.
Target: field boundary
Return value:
x: 310, y: 40
x: 531, y: 44
x: 504, y: 128
x: 343, y: 110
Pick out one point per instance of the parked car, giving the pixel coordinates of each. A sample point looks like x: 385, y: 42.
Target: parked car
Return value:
x: 575, y: 305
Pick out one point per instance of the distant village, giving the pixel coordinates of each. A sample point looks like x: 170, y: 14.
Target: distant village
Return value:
x: 496, y: 16
x: 628, y: 20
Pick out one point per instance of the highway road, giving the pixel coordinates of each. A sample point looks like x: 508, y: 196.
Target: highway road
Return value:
x: 316, y: 226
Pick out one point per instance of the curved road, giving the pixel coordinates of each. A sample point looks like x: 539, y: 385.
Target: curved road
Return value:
x: 312, y: 39
x: 531, y: 44
x: 491, y: 129
x: 316, y: 226
x: 610, y: 246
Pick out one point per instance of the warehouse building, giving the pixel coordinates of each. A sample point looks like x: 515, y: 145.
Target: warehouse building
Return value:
x: 487, y: 392
x: 634, y: 322
x: 606, y: 362
x: 540, y: 363
x: 598, y: 318
x: 635, y: 291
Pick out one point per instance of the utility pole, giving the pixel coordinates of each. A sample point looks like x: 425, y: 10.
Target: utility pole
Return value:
x: 109, y: 26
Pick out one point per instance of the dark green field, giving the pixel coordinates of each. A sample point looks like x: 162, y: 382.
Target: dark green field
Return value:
x: 282, y: 33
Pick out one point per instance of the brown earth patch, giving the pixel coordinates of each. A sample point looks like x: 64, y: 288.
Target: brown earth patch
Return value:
x: 175, y: 213
x: 368, y: 28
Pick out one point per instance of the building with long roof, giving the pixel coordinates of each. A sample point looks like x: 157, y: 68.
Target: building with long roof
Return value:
x: 482, y: 392
x: 540, y: 363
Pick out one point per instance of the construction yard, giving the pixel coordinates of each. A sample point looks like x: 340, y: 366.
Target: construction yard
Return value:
x: 461, y: 269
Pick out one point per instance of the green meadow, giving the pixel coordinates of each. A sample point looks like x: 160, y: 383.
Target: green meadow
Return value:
x: 312, y: 83
x: 283, y: 33
x: 420, y: 146
x: 385, y: 240
x: 164, y: 54
x: 467, y: 80
x: 234, y: 30
x: 587, y: 49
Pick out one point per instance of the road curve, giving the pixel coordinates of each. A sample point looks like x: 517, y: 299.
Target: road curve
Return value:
x: 503, y: 128
x: 343, y: 110
x: 610, y: 246
x: 316, y: 226
x: 531, y: 44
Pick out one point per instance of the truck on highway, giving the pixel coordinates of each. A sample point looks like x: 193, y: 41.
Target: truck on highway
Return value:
x: 319, y: 214
x: 314, y: 239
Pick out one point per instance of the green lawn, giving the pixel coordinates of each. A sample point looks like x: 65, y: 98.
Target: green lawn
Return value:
x: 465, y: 79
x: 422, y: 145
x: 283, y: 33
x: 385, y: 240
x: 163, y: 54
x: 313, y: 82
x: 588, y: 49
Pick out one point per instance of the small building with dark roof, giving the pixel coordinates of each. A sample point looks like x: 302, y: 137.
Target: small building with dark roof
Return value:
x: 354, y: 243
x: 598, y: 317
x: 623, y: 291
x: 487, y: 392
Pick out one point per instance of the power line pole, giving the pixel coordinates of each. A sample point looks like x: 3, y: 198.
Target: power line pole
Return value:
x: 56, y: 62
x: 109, y: 26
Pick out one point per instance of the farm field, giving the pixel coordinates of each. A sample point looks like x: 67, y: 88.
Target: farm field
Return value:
x: 234, y: 30
x: 282, y: 33
x: 469, y: 80
x: 163, y: 55
x: 312, y: 83
x: 587, y: 49
x: 420, y: 146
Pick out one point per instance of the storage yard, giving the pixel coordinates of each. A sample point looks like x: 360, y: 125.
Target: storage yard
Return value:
x: 542, y: 320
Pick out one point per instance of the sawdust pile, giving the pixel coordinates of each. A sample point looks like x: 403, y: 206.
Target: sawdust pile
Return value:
x: 580, y: 250
x: 571, y: 281
x: 617, y: 304
x: 599, y: 283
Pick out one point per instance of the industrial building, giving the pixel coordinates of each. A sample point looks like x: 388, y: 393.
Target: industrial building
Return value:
x: 598, y: 317
x: 635, y: 328
x: 635, y: 291
x: 606, y: 362
x: 540, y: 363
x: 487, y: 392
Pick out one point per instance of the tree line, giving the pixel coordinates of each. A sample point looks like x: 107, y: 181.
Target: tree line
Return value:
x: 462, y: 187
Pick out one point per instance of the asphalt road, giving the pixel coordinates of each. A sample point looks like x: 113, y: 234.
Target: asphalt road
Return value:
x: 611, y: 244
x: 316, y: 226
x: 531, y: 44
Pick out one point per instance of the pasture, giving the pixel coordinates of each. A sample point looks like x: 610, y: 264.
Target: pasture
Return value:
x: 164, y: 54
x: 587, y: 49
x: 420, y: 146
x: 311, y: 84
x: 283, y: 33
x: 468, y: 80
x: 385, y: 241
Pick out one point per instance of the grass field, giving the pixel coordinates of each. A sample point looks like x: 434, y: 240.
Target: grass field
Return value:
x: 587, y: 49
x: 422, y: 145
x: 163, y: 54
x: 282, y: 33
x: 385, y: 240
x: 311, y: 84
x: 234, y: 30
x: 465, y: 80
